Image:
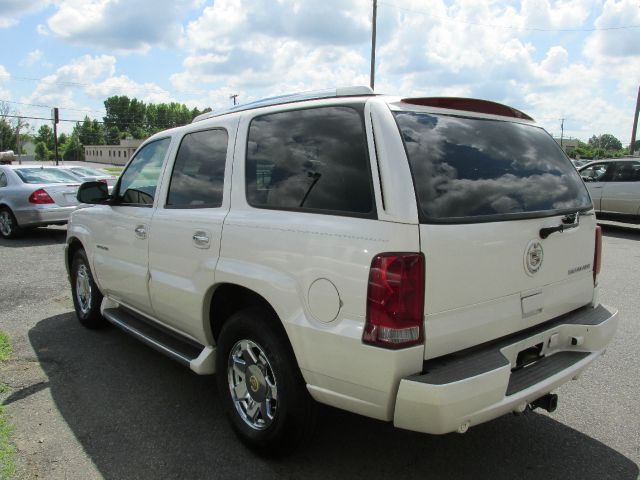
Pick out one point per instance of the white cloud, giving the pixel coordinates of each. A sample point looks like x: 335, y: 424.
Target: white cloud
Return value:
x: 4, y: 77
x: 334, y: 22
x: 12, y: 10
x: 93, y: 77
x: 111, y: 24
x: 31, y: 58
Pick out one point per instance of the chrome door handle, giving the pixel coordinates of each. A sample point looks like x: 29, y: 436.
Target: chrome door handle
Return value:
x: 141, y: 232
x: 201, y: 239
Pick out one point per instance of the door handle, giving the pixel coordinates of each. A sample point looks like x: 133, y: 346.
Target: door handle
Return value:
x: 141, y: 231
x: 201, y: 239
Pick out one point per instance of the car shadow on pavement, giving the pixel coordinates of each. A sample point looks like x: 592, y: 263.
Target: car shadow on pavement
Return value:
x: 631, y: 232
x: 37, y: 237
x: 139, y: 415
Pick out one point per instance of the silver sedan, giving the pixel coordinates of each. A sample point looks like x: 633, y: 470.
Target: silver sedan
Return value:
x: 35, y: 197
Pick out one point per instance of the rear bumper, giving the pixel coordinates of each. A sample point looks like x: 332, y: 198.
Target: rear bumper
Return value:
x: 477, y: 385
x: 44, y: 215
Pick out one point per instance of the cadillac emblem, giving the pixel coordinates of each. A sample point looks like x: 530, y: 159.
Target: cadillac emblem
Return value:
x: 533, y: 257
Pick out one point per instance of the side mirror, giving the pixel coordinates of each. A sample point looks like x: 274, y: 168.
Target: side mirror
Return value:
x: 93, y: 192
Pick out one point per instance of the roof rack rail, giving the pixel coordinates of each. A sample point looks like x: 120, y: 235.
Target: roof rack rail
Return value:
x: 289, y: 98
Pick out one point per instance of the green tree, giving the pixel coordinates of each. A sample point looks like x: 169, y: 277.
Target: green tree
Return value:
x: 42, y: 152
x: 72, y: 148
x: 89, y: 132
x: 605, y: 143
x: 45, y: 135
x: 7, y: 136
x: 113, y: 135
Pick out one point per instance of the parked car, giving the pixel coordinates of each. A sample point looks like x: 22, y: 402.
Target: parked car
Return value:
x: 432, y: 262
x: 614, y: 185
x: 35, y: 197
x: 88, y: 174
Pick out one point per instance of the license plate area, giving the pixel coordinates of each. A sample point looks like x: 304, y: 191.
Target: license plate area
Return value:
x: 528, y: 356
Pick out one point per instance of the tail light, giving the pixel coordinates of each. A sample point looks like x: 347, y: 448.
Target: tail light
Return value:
x: 597, y: 256
x: 40, y: 197
x: 102, y: 180
x: 395, y: 301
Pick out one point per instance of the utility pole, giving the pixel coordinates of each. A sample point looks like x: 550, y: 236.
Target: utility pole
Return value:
x: 55, y: 131
x: 373, y: 44
x: 234, y: 97
x: 635, y: 125
x: 561, y: 132
x: 18, y: 141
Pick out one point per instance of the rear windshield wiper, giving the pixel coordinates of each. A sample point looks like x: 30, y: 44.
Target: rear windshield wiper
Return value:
x: 569, y: 221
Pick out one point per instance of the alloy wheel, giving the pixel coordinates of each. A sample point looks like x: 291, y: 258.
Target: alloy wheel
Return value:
x: 252, y: 384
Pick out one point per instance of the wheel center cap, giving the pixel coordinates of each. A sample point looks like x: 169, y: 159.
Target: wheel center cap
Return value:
x: 256, y: 384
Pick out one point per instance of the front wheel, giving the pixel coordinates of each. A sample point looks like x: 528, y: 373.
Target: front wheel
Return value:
x: 9, y: 227
x: 86, y: 296
x: 261, y: 387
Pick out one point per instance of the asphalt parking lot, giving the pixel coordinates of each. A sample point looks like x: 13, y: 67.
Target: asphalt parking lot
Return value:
x: 92, y: 404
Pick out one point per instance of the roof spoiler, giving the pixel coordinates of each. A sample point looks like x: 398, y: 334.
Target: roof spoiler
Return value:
x: 468, y: 105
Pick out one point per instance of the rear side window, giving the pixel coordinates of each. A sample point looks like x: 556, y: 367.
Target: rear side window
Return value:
x: 197, y: 180
x: 627, y: 172
x: 3, y: 179
x: 471, y: 170
x: 311, y: 160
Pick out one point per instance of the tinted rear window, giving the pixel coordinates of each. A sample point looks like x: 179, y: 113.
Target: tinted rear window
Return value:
x: 45, y: 175
x: 468, y: 170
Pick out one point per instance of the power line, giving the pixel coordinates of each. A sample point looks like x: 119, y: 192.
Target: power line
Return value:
x: 128, y: 124
x: 45, y: 118
x: 509, y: 27
x: 49, y: 106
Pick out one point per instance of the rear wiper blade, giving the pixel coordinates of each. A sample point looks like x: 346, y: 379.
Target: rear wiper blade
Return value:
x: 569, y: 221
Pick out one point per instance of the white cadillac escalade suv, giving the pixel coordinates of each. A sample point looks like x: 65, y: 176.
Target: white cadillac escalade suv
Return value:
x: 427, y: 261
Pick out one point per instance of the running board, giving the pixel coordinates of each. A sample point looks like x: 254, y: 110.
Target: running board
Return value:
x: 199, y: 358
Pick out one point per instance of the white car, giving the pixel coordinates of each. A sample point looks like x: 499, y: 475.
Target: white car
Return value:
x: 431, y: 262
x: 88, y: 174
x: 614, y: 185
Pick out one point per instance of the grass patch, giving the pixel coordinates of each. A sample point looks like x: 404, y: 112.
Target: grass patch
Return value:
x: 7, y: 449
x: 5, y: 347
x: 113, y: 170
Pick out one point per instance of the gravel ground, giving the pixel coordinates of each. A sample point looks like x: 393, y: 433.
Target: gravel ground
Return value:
x: 101, y: 405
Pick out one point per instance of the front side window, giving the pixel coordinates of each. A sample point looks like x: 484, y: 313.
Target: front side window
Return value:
x: 477, y: 170
x: 139, y: 181
x: 599, y: 172
x: 312, y: 160
x: 197, y: 180
x: 3, y: 179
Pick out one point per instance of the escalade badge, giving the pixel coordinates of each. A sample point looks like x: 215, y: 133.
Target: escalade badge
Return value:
x: 533, y: 257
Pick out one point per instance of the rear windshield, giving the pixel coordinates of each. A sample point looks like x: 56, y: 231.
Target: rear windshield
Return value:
x: 473, y: 170
x: 87, y: 172
x: 45, y: 175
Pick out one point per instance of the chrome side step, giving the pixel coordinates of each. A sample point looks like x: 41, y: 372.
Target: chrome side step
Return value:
x: 185, y: 351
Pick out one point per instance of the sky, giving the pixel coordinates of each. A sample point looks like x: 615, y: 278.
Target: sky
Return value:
x: 577, y: 60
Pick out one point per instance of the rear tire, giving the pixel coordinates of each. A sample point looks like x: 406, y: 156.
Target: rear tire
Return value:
x: 260, y: 385
x: 86, y: 295
x: 9, y: 227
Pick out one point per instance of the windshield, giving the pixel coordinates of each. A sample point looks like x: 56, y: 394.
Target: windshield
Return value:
x: 470, y: 170
x: 45, y: 175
